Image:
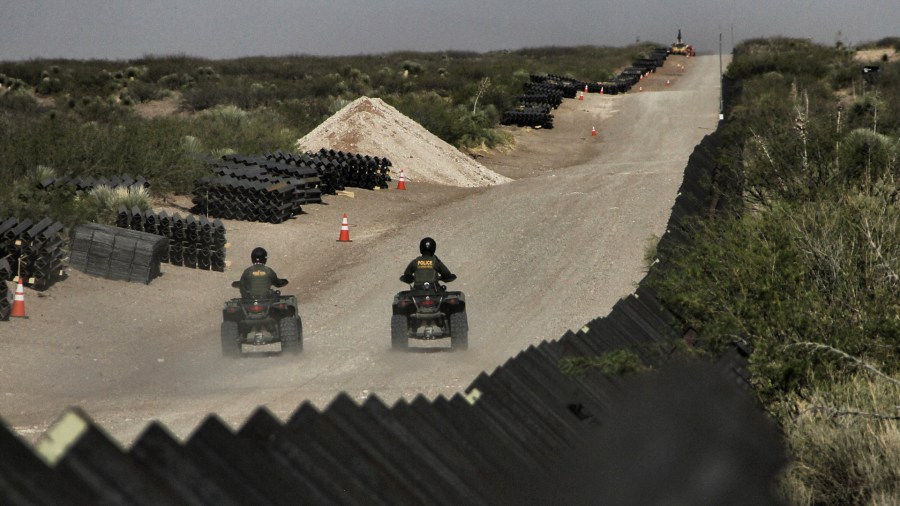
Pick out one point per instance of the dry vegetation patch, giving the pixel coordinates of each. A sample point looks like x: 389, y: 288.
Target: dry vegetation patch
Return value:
x: 877, y: 54
x: 167, y: 106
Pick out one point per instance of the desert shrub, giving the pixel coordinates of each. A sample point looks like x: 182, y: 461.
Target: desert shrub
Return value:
x: 304, y: 114
x: 19, y: 101
x: 23, y: 198
x: 241, y: 131
x: 338, y: 104
x: 206, y: 73
x: 172, y: 81
x: 200, y: 98
x: 457, y: 125
x: 136, y: 72
x: 812, y: 254
x: 866, y: 156
x: 825, y: 270
x: 49, y: 85
x: 142, y: 91
x: 412, y: 68
x: 229, y: 115
x: 794, y: 56
x: 845, y: 443
x: 102, y: 203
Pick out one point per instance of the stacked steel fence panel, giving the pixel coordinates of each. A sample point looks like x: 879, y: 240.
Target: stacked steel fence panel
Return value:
x: 354, y: 169
x: 195, y: 242
x: 34, y: 249
x: 115, y: 253
x: 545, y: 92
x: 533, y: 116
x: 272, y: 188
x: 255, y: 189
x: 5, y: 294
x: 330, y: 180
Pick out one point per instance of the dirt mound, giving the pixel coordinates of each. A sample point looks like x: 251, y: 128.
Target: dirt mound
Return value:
x: 370, y: 126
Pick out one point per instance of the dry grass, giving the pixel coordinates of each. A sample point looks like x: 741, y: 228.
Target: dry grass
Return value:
x: 168, y: 106
x: 876, y: 55
x: 104, y: 202
x: 845, y: 442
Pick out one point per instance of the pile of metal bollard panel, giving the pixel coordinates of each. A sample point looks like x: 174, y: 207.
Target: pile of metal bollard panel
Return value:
x: 330, y: 180
x: 5, y: 294
x: 354, y: 169
x: 115, y: 253
x: 544, y: 92
x: 195, y: 242
x: 34, y: 249
x: 255, y: 189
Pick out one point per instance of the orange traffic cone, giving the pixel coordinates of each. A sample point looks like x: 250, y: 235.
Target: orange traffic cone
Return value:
x: 640, y: 88
x: 586, y: 88
x: 601, y: 90
x: 581, y: 96
x: 18, y: 307
x: 401, y: 185
x: 345, y: 230
x: 593, y: 132
x: 668, y: 82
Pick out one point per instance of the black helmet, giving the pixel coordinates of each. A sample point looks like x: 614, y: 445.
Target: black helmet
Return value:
x: 427, y: 246
x: 258, y: 256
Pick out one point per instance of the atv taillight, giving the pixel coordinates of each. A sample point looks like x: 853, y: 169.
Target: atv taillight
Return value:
x: 403, y: 303
x: 280, y: 306
x: 255, y: 308
x: 428, y: 302
x: 231, y: 309
x: 452, y: 301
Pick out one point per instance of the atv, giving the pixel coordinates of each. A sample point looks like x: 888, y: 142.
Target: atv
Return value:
x: 260, y: 321
x: 428, y: 311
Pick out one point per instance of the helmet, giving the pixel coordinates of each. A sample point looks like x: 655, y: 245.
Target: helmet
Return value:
x: 427, y: 246
x: 258, y: 256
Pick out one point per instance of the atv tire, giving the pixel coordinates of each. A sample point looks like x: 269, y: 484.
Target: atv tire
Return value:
x: 290, y: 334
x: 231, y: 339
x: 459, y: 331
x: 399, y: 338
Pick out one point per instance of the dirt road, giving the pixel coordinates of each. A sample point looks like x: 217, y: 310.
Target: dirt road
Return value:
x: 545, y: 253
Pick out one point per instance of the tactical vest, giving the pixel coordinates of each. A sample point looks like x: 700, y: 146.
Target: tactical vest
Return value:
x: 260, y: 281
x: 425, y: 272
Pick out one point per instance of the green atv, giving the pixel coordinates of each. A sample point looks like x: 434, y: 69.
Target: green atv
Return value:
x: 429, y: 312
x: 261, y: 321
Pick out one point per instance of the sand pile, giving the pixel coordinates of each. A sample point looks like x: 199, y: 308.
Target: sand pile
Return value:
x: 369, y: 126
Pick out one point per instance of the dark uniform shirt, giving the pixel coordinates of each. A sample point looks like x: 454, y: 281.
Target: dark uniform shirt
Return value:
x: 257, y: 279
x: 426, y: 269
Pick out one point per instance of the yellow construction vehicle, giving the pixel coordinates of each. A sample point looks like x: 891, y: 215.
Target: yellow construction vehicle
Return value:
x: 681, y: 48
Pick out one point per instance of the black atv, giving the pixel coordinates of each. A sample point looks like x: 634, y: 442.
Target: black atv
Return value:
x: 428, y: 311
x: 261, y: 321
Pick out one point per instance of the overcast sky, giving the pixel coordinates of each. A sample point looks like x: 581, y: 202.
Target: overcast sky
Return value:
x: 124, y: 29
